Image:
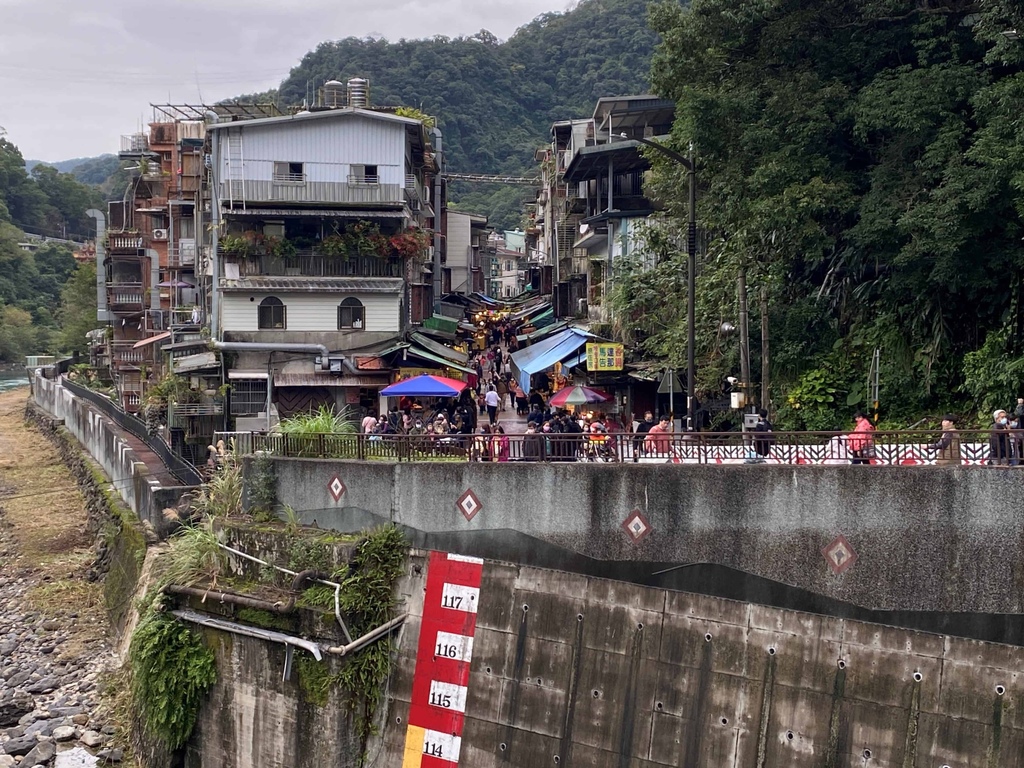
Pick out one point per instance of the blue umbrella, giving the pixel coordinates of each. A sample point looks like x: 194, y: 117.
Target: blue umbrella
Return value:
x: 425, y: 385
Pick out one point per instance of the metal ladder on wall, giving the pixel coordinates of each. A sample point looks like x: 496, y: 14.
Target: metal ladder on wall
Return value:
x: 236, y: 168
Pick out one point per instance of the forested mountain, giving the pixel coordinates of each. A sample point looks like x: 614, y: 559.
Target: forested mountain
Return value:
x: 495, y: 101
x: 864, y: 162
x: 45, y: 297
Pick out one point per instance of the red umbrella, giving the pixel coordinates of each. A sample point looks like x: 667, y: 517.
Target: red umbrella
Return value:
x: 578, y: 396
x: 425, y: 385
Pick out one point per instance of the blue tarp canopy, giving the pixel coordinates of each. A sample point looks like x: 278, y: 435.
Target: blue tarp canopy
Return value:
x: 544, y: 354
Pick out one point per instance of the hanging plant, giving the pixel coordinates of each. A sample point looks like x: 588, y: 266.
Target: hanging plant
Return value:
x: 411, y: 243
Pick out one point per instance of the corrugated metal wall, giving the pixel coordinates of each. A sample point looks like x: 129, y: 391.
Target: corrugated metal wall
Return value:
x: 327, y: 146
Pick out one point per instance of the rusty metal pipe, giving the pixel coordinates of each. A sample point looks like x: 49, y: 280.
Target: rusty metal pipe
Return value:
x: 232, y: 599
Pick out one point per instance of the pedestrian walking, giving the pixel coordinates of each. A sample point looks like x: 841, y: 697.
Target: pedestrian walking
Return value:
x: 492, y: 402
x: 948, y: 445
x: 999, y: 450
x: 862, y: 441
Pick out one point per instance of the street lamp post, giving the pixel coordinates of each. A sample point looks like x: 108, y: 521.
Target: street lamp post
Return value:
x: 691, y: 251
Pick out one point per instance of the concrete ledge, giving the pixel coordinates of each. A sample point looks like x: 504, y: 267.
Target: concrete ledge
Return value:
x: 941, y: 539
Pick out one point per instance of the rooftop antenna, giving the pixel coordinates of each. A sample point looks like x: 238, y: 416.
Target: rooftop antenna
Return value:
x: 198, y: 89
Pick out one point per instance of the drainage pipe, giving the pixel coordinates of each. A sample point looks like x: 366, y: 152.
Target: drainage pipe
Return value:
x: 101, y: 263
x: 232, y: 599
x: 369, y: 637
x: 337, y: 587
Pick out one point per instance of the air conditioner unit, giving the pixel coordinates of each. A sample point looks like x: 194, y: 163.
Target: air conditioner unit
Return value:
x: 159, y: 234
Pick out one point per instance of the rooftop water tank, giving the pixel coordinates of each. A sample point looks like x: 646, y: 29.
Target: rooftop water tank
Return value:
x: 358, y: 92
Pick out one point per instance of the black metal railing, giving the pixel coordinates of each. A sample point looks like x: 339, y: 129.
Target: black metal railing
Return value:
x: 889, y: 448
x: 183, y: 470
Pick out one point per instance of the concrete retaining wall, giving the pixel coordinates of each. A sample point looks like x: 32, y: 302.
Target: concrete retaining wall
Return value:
x: 939, y: 539
x: 128, y: 475
x: 575, y: 671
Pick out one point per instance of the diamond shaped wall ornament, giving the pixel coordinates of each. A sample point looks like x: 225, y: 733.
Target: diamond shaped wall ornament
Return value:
x: 840, y: 555
x: 468, y: 504
x: 637, y: 526
x: 336, y: 488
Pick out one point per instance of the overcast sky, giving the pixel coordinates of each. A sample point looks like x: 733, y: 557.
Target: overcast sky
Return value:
x: 76, y: 74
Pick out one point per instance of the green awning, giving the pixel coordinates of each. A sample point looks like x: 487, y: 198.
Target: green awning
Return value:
x: 423, y: 354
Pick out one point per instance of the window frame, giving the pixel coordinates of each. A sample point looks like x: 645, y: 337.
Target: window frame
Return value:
x: 288, y: 172
x: 271, y: 305
x: 359, y: 173
x: 244, y: 394
x: 351, y: 305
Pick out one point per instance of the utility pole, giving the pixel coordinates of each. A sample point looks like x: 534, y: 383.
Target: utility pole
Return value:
x: 438, y: 213
x: 765, y: 358
x: 741, y: 290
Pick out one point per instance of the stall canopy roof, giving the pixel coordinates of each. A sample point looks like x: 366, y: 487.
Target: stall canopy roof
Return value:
x: 440, y: 349
x: 535, y: 336
x: 546, y: 353
x: 425, y: 355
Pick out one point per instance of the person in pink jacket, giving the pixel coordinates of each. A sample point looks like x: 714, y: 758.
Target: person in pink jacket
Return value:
x: 862, y: 442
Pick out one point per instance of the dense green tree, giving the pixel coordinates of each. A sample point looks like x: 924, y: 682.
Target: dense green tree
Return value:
x: 864, y: 163
x: 77, y: 314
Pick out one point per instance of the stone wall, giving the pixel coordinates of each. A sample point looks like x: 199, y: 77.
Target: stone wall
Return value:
x: 955, y: 534
x: 128, y: 475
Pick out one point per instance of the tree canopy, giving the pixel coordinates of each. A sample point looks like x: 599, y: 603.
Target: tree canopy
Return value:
x: 864, y: 162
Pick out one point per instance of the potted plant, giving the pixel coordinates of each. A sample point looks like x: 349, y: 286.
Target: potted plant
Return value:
x: 410, y: 243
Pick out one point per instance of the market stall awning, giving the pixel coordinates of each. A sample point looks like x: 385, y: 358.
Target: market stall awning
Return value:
x: 541, y: 333
x: 546, y: 353
x: 440, y: 349
x: 425, y: 386
x: 425, y: 355
x: 522, y: 314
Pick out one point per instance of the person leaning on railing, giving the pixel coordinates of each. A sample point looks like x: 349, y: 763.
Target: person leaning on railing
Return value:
x: 659, y: 438
x: 948, y: 444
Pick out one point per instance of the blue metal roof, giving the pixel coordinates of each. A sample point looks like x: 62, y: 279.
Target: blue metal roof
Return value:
x: 544, y: 354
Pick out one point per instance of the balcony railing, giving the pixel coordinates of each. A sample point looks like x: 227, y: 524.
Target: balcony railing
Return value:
x: 124, y: 355
x: 186, y: 317
x: 316, y: 265
x: 118, y: 243
x: 126, y: 295
x: 364, y: 190
x: 134, y: 143
x: 290, y: 178
x: 181, y: 256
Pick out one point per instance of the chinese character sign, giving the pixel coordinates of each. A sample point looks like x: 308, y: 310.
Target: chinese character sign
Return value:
x: 604, y: 357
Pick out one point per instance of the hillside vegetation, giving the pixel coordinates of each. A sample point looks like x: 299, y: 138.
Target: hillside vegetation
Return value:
x: 47, y: 301
x: 865, y: 163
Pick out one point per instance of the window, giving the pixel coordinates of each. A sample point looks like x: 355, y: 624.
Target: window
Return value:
x: 364, y: 174
x: 289, y: 172
x: 248, y: 396
x: 350, y: 314
x: 272, y: 314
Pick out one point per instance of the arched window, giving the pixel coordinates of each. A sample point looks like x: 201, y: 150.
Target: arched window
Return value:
x: 350, y: 315
x: 272, y: 314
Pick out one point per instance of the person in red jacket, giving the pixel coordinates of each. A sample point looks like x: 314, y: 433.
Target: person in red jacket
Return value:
x: 862, y: 442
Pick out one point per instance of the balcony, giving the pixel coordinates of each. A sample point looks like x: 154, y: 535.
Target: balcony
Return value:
x: 124, y: 244
x: 181, y: 256
x: 124, y: 356
x: 313, y: 192
x: 134, y: 144
x: 186, y: 317
x: 126, y: 297
x: 312, y: 264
